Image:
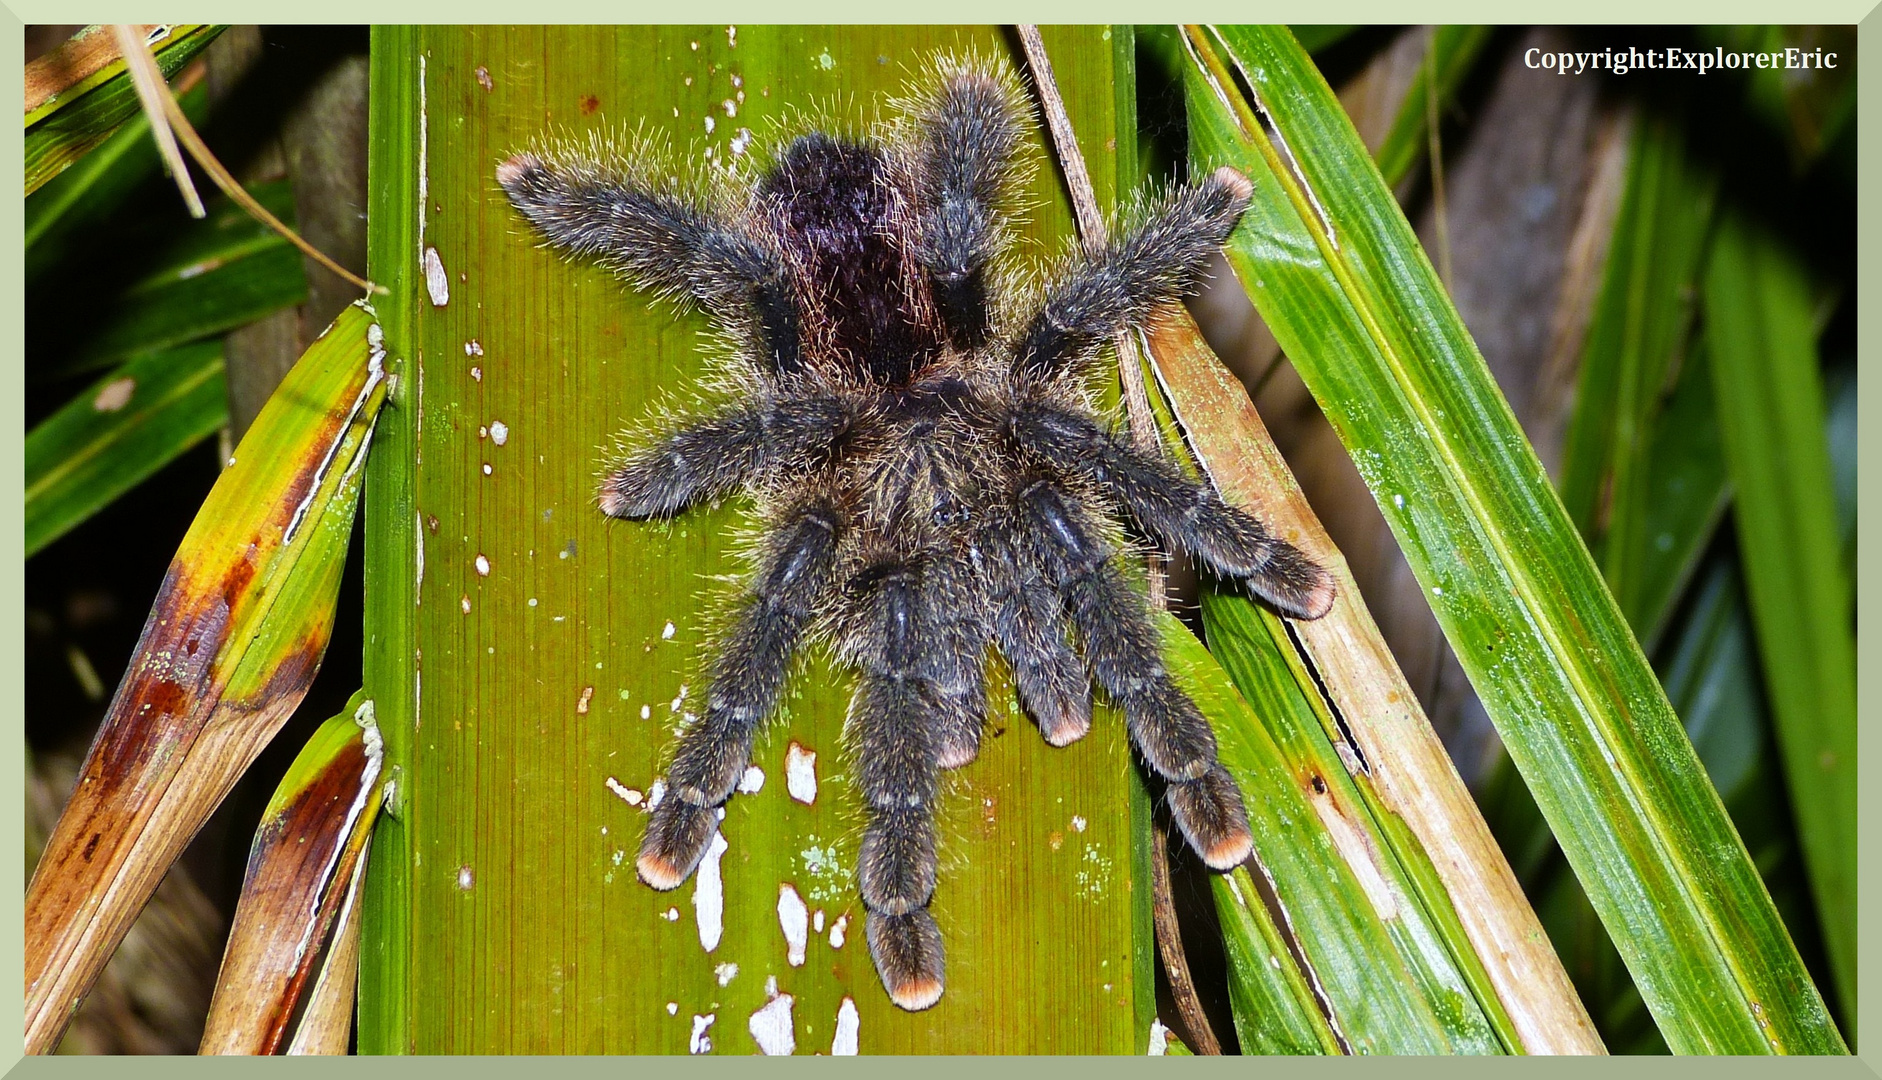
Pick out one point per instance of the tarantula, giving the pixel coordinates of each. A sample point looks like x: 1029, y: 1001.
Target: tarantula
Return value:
x: 931, y: 476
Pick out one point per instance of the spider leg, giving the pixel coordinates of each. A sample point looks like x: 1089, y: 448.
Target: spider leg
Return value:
x: 1126, y: 655
x: 898, y: 768
x: 1123, y: 286
x: 965, y: 161
x: 660, y: 241
x: 750, y: 669
x: 716, y: 454
x: 1180, y: 511
x: 1029, y: 628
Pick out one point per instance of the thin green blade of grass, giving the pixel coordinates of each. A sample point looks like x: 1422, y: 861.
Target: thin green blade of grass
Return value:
x: 1636, y: 335
x: 203, y: 278
x: 1383, y: 961
x: 1335, y: 270
x: 1315, y: 36
x: 1761, y: 326
x: 118, y: 432
x: 1449, y: 59
x: 66, y: 126
x: 83, y: 197
x: 1662, y: 537
x: 499, y: 915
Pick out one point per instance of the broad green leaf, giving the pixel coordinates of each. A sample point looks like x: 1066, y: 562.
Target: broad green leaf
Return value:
x: 202, y: 278
x: 116, y: 433
x: 66, y: 120
x: 1336, y: 272
x: 524, y: 706
x: 300, y: 876
x: 231, y: 644
x: 1761, y: 328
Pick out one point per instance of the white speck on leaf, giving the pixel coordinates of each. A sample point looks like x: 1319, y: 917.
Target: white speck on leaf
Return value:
x: 483, y: 566
x: 666, y: 632
x: 465, y: 878
x: 800, y: 773
x: 437, y: 282
x: 581, y: 704
x: 1159, y: 1039
x: 673, y: 1008
x: 839, y: 931
x: 646, y: 712
x: 655, y: 792
x: 1078, y: 823
x: 794, y: 920
x: 700, y: 1044
x: 771, y: 1027
x: 752, y: 782
x: 843, y: 1044
x: 499, y: 432
x: 709, y: 896
x: 627, y: 794
x: 725, y: 972
x: 115, y: 395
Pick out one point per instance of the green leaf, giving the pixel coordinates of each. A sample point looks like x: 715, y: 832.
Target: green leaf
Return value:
x: 1760, y: 323
x: 203, y: 278
x: 119, y: 431
x: 512, y: 702
x: 1636, y: 336
x: 1381, y: 960
x: 68, y: 125
x: 82, y: 198
x: 1336, y: 272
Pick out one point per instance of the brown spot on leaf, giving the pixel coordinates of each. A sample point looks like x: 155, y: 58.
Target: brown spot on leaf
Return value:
x: 91, y: 846
x: 589, y: 104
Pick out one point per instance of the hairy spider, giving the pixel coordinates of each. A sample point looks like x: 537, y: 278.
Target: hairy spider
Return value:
x: 931, y: 474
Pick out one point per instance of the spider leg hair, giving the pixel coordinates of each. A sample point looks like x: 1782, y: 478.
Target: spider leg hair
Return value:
x: 716, y: 454
x: 965, y: 163
x: 956, y: 672
x: 1029, y: 628
x: 661, y: 241
x: 749, y: 671
x: 898, y: 773
x: 1178, y: 510
x: 1126, y: 655
x: 1123, y: 286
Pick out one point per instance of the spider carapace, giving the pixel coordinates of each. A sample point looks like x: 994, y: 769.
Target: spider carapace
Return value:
x: 927, y: 464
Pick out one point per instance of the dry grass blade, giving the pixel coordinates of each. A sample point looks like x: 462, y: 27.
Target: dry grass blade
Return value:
x: 234, y: 638
x: 301, y: 877
x: 1170, y: 945
x: 168, y: 123
x: 326, y: 1026
x: 1407, y: 764
x: 142, y: 67
x: 1092, y: 235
